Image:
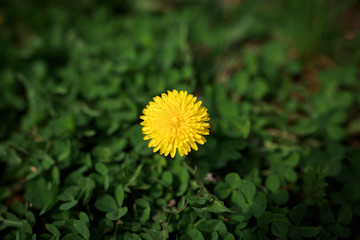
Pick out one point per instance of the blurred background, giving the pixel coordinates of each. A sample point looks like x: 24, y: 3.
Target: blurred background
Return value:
x: 280, y: 80
x: 87, y: 68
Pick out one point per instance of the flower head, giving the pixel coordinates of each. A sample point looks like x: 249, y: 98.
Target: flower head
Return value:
x: 175, y: 122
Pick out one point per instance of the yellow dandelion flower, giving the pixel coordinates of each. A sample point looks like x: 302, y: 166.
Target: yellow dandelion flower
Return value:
x: 175, y: 121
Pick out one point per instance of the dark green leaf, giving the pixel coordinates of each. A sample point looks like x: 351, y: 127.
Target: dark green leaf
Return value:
x: 156, y: 235
x: 4, y: 192
x: 279, y: 228
x: 144, y: 210
x: 117, y: 213
x: 101, y: 168
x: 345, y: 215
x: 119, y: 195
x: 182, y: 203
x: 272, y: 182
x: 309, y: 231
x: 248, y: 189
x: 294, y: 232
x: 82, y: 229
x: 194, y: 200
x: 147, y: 236
x: 238, y: 199
x: 293, y: 160
x: 72, y: 236
x: 264, y: 220
x: 233, y: 180
x: 281, y: 197
x: 259, y: 204
x: 211, y: 226
x: 289, y: 174
x: 216, y: 206
x: 195, y: 234
x: 339, y: 230
x: 227, y: 236
x: 297, y: 214
x: 167, y: 177
x: 38, y: 193
x: 326, y: 215
x: 51, y: 228
x: 131, y: 236
x: 66, y: 206
x: 105, y: 203
x: 84, y: 217
x: 222, y: 190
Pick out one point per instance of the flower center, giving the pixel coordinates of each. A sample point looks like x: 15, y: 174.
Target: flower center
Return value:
x: 175, y: 122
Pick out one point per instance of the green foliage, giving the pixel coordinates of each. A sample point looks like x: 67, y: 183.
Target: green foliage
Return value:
x: 312, y: 26
x: 281, y: 160
x: 314, y: 186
